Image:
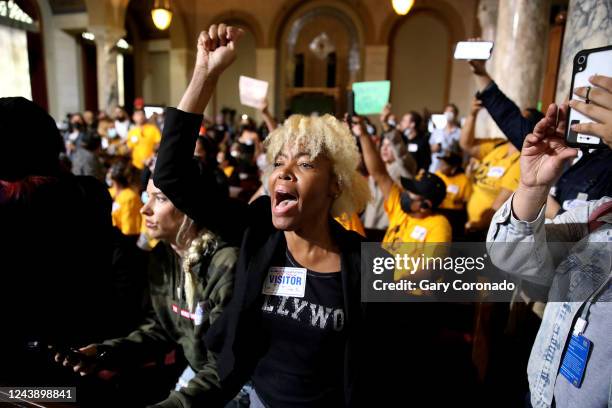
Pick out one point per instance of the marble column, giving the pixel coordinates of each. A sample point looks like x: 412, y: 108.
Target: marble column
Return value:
x: 106, y: 54
x: 522, y: 27
x: 487, y: 18
x: 179, y: 73
x: 589, y: 25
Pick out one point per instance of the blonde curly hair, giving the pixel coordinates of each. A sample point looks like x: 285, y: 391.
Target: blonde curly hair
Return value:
x: 328, y: 136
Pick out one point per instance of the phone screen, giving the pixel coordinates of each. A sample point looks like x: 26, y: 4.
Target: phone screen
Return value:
x: 473, y: 50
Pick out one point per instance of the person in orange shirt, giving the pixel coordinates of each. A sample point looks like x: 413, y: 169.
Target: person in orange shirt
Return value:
x: 458, y: 192
x: 126, y: 202
x: 143, y: 139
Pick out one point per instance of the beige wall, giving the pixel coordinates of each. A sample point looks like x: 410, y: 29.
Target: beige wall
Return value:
x: 420, y: 65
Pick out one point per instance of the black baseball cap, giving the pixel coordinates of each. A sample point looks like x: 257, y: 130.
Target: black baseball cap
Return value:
x: 427, y: 185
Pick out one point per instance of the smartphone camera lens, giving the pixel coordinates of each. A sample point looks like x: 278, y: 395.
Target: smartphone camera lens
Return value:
x: 581, y: 59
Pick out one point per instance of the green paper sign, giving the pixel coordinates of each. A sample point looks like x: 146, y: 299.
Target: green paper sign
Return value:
x: 371, y: 97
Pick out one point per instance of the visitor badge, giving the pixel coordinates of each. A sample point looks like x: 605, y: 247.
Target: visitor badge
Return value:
x: 418, y: 233
x: 285, y: 281
x: 575, y: 359
x: 496, y: 172
x: 452, y: 188
x: 413, y: 147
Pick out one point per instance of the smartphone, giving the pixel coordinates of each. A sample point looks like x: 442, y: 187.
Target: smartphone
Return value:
x: 473, y: 50
x: 587, y: 63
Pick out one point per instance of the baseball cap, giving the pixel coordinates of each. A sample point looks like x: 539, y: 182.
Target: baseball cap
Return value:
x: 427, y: 185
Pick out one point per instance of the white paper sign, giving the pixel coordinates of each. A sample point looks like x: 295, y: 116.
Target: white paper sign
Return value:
x: 285, y: 281
x: 253, y: 92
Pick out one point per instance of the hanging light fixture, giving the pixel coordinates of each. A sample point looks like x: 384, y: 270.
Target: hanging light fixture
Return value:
x: 402, y: 7
x: 161, y: 14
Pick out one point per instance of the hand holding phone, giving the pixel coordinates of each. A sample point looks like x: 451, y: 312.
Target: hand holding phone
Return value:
x: 473, y: 50
x: 590, y: 116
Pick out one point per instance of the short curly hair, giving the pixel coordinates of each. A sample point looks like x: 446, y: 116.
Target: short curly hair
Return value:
x: 326, y: 135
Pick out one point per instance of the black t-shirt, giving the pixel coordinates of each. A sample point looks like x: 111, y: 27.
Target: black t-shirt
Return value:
x: 303, y: 366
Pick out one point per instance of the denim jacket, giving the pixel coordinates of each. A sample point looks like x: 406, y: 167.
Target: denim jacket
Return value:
x: 522, y: 249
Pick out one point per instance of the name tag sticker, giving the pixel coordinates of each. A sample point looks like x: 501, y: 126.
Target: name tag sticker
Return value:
x: 285, y: 281
x: 496, y: 172
x: 413, y: 147
x: 419, y: 233
x: 452, y: 188
x: 575, y: 360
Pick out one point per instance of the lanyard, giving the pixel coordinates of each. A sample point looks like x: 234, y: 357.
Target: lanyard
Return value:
x: 581, y: 323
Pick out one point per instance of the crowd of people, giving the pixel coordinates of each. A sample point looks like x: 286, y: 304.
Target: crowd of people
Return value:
x: 162, y: 276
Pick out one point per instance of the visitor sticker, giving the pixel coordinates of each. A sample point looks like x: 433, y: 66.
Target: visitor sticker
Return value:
x: 285, y: 281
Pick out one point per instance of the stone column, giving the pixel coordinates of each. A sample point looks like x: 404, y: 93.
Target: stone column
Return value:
x: 265, y: 69
x: 522, y: 27
x: 106, y: 53
x: 589, y: 25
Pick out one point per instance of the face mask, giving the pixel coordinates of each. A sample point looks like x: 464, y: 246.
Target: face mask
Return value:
x: 450, y: 116
x: 405, y: 202
x: 109, y: 181
x: 391, y: 123
x: 112, y: 133
x: 370, y: 129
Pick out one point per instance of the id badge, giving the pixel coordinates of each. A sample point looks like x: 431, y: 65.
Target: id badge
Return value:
x: 413, y: 147
x: 419, y: 233
x: 496, y: 172
x: 575, y: 359
x: 285, y: 281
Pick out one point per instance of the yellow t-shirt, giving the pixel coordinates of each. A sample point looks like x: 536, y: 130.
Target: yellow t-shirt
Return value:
x: 405, y: 228
x: 351, y: 223
x: 496, y: 171
x: 458, y: 191
x: 126, y: 212
x: 142, y: 141
x: 486, y: 146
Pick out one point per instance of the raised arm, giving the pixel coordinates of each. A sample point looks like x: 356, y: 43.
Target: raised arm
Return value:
x: 467, y: 141
x: 374, y: 164
x: 177, y: 174
x: 216, y: 51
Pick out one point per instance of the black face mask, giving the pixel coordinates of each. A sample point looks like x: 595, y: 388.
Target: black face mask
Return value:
x: 405, y: 202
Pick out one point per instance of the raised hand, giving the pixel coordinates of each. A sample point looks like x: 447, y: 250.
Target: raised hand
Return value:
x: 217, y: 48
x: 545, y: 154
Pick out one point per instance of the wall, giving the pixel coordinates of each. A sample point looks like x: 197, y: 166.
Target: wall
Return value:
x: 156, y: 85
x: 420, y: 66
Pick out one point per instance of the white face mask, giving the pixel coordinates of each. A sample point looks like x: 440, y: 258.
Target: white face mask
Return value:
x: 235, y: 153
x: 450, y: 116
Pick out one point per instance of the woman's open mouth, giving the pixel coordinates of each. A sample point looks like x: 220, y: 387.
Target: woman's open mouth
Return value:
x: 284, y: 201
